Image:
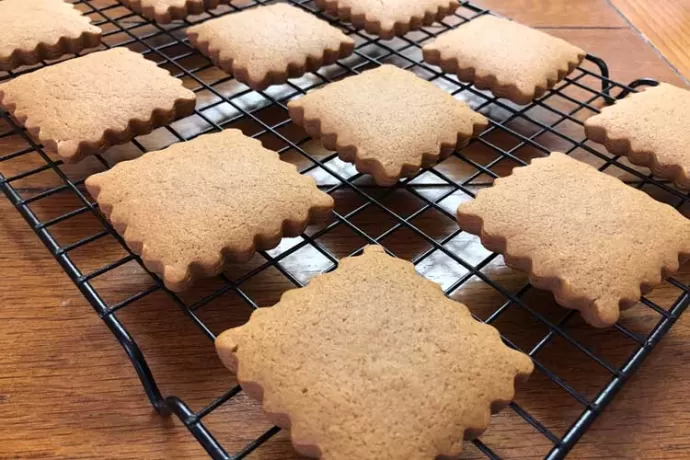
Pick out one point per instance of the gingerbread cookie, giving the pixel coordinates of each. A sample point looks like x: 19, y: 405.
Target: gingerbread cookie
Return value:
x: 188, y: 208
x: 266, y: 45
x: 389, y: 18
x: 34, y: 30
x: 166, y: 11
x: 387, y: 121
x: 511, y: 60
x: 650, y: 128
x: 375, y: 353
x: 593, y: 241
x: 83, y: 106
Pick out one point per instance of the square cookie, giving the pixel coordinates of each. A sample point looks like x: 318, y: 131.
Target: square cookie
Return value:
x: 266, y: 45
x: 188, y: 208
x: 389, y: 18
x: 511, y: 60
x: 592, y: 240
x: 83, y: 106
x: 34, y: 30
x: 372, y: 361
x: 651, y: 128
x: 166, y: 11
x: 387, y: 121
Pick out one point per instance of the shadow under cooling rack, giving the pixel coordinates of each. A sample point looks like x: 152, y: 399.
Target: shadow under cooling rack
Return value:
x: 579, y: 369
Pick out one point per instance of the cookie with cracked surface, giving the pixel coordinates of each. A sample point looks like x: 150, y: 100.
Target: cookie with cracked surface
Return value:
x: 651, y: 129
x: 266, y: 45
x: 509, y: 59
x: 34, y: 30
x: 592, y: 240
x: 389, y: 18
x: 188, y: 208
x: 166, y: 11
x: 83, y: 106
x: 387, y: 121
x: 376, y: 353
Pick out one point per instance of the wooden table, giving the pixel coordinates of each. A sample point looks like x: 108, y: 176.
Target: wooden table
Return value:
x: 68, y: 391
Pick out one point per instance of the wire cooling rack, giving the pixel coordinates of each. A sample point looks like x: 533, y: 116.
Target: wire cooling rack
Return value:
x: 576, y: 376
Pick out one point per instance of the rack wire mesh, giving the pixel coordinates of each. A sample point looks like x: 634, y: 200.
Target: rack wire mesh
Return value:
x: 414, y: 220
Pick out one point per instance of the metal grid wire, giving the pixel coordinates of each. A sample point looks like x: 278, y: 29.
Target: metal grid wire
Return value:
x: 516, y: 134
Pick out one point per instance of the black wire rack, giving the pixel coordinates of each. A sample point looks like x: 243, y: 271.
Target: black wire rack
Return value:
x: 414, y: 219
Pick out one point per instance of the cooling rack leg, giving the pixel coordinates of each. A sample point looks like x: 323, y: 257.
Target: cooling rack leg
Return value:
x: 129, y: 345
x: 607, y: 85
x: 636, y: 84
x: 605, y: 82
x: 197, y: 428
x: 139, y: 363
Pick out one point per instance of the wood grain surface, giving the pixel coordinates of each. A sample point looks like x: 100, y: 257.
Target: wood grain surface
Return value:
x: 68, y: 391
x: 666, y: 24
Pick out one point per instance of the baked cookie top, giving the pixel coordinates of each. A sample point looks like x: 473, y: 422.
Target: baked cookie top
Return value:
x: 389, y: 18
x: 592, y: 240
x: 84, y: 105
x: 187, y: 208
x: 165, y: 11
x: 267, y: 44
x: 31, y: 30
x: 509, y: 59
x: 651, y: 128
x: 387, y: 121
x: 373, y: 361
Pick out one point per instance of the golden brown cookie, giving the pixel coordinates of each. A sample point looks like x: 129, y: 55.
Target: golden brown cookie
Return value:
x: 652, y: 128
x: 166, y: 11
x: 593, y: 241
x: 509, y: 59
x: 388, y: 18
x: 83, y: 106
x: 372, y: 361
x: 189, y: 208
x: 387, y: 121
x: 34, y: 30
x: 266, y: 45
